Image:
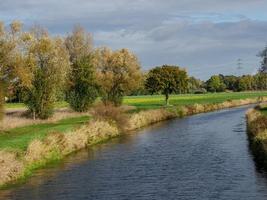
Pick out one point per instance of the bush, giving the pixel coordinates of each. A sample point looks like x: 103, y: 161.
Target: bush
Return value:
x: 112, y: 114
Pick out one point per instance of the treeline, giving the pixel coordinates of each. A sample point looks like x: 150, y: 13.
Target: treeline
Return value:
x: 221, y: 83
x: 39, y: 69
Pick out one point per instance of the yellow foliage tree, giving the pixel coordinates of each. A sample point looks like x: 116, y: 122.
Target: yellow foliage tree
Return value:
x: 118, y: 73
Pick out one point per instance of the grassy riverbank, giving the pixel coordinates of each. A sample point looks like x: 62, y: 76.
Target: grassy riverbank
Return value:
x: 257, y: 132
x: 19, y: 138
x: 43, y: 143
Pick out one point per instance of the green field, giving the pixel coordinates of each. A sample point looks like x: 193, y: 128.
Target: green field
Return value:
x: 151, y: 102
x: 157, y: 101
x: 19, y: 138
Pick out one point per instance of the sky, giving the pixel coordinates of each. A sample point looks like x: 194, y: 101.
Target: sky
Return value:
x: 204, y: 36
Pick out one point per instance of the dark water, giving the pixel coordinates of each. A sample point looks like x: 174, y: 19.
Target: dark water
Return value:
x: 200, y: 157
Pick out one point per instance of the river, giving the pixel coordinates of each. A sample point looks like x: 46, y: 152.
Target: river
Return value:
x: 206, y: 156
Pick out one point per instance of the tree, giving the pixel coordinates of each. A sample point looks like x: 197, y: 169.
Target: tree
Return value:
x: 12, y: 62
x: 231, y: 82
x: 167, y: 80
x: 263, y: 55
x: 50, y: 61
x: 216, y: 84
x: 260, y: 81
x: 246, y: 82
x: 195, y: 85
x: 118, y: 74
x: 82, y: 87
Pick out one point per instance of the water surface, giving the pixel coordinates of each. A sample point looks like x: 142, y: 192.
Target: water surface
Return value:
x: 200, y: 157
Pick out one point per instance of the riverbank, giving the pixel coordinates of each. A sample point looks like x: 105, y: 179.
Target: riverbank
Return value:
x: 257, y: 133
x: 16, y: 166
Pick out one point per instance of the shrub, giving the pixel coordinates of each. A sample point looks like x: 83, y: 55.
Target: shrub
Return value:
x: 109, y: 112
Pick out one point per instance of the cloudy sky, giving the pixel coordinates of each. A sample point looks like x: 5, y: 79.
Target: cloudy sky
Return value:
x: 205, y: 36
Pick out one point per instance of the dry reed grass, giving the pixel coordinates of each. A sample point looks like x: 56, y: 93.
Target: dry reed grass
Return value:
x: 64, y: 144
x: 145, y: 118
x: 11, y: 168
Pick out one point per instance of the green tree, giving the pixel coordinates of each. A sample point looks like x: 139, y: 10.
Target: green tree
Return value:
x: 195, y: 85
x: 82, y: 88
x: 261, y: 81
x: 167, y: 80
x: 231, y: 82
x: 246, y: 82
x: 263, y: 55
x: 119, y: 74
x: 216, y: 84
x: 51, y: 64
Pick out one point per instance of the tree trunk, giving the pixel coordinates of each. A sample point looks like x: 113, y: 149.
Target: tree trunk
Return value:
x: 167, y: 99
x: 34, y: 115
x: 2, y: 101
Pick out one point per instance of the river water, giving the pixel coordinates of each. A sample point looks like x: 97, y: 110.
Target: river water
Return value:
x: 205, y: 156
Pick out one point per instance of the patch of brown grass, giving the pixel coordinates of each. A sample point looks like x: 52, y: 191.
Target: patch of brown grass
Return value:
x: 112, y: 114
x: 257, y: 122
x: 11, y: 167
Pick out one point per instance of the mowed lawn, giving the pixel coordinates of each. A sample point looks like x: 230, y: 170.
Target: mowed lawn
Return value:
x: 19, y: 138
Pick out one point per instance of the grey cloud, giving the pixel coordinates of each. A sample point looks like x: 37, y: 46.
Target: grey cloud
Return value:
x: 206, y: 36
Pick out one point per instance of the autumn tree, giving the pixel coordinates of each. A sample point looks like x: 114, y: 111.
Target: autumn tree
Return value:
x: 12, y: 63
x: 82, y: 86
x: 118, y: 74
x: 167, y: 80
x: 50, y: 61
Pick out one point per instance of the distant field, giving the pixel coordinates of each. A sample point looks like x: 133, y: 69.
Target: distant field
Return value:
x: 150, y: 102
x: 156, y: 101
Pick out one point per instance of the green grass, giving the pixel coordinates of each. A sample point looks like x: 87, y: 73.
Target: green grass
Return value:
x: 19, y: 138
x: 157, y: 101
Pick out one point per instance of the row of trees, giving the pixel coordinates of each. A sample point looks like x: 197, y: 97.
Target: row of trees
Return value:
x: 220, y: 83
x: 40, y: 69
